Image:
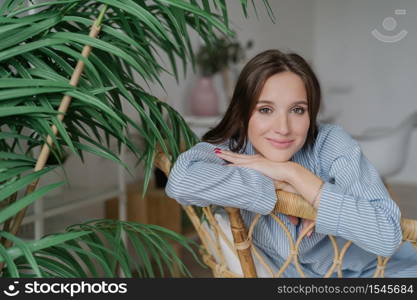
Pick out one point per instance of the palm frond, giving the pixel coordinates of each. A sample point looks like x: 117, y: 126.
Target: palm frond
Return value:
x: 133, y: 35
x: 38, y: 55
x: 97, y: 249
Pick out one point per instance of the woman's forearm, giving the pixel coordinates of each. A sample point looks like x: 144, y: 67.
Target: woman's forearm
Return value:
x: 305, y: 182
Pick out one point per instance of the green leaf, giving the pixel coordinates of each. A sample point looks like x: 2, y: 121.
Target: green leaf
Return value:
x: 18, y: 93
x: 47, y: 3
x: 17, y: 206
x: 7, y: 155
x: 25, y: 248
x: 21, y: 110
x: 23, y: 34
x: 45, y: 242
x: 21, y: 49
x: 19, y: 82
x: 99, y: 44
x: 8, y: 189
x: 11, y: 266
x: 92, y: 100
x: 10, y: 173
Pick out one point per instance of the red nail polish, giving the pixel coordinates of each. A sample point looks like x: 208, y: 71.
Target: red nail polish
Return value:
x: 217, y: 149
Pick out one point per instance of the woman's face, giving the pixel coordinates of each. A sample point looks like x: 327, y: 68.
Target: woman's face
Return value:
x: 279, y: 124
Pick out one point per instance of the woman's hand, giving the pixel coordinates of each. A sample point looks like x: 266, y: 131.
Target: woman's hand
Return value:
x: 275, y: 170
x: 302, y: 179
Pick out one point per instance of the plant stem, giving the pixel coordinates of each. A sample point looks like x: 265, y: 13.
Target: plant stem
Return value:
x: 65, y: 103
x: 6, y: 225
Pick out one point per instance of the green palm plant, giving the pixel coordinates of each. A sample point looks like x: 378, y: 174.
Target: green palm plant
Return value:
x: 67, y: 78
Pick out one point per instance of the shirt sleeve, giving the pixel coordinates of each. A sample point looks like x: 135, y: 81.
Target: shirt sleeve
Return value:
x: 356, y: 205
x: 200, y: 178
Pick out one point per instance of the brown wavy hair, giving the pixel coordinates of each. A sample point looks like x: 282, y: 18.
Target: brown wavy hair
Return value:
x: 234, y: 125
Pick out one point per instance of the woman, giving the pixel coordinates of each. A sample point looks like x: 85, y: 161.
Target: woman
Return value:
x: 269, y: 139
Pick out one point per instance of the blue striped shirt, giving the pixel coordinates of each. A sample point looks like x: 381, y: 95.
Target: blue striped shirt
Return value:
x: 354, y: 205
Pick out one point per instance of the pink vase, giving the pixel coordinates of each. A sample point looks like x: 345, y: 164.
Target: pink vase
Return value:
x: 204, y: 98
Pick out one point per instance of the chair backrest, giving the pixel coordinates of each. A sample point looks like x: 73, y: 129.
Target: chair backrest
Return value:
x: 242, y: 247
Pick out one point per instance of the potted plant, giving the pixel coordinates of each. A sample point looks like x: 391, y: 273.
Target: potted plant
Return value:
x: 221, y: 54
x: 67, y: 78
x: 214, y: 58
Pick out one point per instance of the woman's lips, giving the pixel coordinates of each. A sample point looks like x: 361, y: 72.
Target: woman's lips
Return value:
x: 280, y: 145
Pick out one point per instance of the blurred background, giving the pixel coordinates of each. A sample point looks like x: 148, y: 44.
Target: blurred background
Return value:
x: 363, y: 52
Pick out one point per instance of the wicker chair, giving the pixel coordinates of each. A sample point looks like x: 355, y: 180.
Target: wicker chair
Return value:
x: 289, y: 204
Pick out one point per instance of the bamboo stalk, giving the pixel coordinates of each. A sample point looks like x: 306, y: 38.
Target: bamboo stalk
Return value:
x: 63, y: 107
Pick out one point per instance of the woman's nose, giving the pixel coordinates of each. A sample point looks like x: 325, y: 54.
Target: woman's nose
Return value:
x: 281, y: 125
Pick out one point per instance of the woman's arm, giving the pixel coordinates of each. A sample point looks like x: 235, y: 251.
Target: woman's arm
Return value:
x: 200, y: 178
x: 287, y: 175
x: 355, y: 206
x: 305, y: 182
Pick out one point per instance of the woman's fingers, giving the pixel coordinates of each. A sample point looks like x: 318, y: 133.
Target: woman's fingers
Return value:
x: 234, y: 157
x: 233, y: 160
x: 293, y: 219
x: 229, y: 153
x: 306, y: 223
x: 234, y: 154
x: 244, y: 159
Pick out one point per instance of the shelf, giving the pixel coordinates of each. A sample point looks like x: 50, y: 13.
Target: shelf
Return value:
x: 70, y: 199
x: 201, y: 124
x: 99, y: 181
x: 203, y: 121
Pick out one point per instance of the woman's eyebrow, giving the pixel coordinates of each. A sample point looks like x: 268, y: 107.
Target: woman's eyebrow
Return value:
x: 272, y: 103
x: 265, y: 101
x: 301, y: 102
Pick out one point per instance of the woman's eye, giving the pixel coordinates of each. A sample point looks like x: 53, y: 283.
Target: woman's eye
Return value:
x: 299, y: 110
x: 265, y: 110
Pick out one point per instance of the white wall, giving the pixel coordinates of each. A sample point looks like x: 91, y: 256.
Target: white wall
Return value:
x: 292, y: 31
x: 366, y: 82
x: 371, y: 83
